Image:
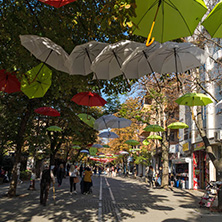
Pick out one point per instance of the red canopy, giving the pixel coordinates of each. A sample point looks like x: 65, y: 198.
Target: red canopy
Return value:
x: 57, y: 3
x: 47, y: 111
x: 9, y: 82
x: 88, y: 99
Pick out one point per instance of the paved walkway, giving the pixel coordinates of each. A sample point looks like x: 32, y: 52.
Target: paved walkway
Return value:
x: 113, y: 199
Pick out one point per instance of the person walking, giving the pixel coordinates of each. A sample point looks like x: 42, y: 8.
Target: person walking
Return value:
x: 80, y: 170
x: 87, y: 180
x: 46, y: 177
x: 60, y: 174
x: 73, y: 175
x: 150, y: 176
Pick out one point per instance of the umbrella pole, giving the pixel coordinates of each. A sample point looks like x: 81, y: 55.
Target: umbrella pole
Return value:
x: 148, y: 42
x: 178, y: 80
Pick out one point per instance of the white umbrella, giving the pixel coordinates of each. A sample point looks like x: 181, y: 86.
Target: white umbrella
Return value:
x: 101, y: 123
x: 97, y: 145
x: 119, y: 123
x: 123, y: 152
x: 46, y: 50
x: 108, y: 135
x: 219, y: 104
x: 108, y: 63
x: 137, y: 63
x: 80, y: 59
x: 175, y: 57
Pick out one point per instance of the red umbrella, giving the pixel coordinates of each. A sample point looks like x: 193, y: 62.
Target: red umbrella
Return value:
x: 57, y: 3
x: 47, y: 111
x: 9, y: 82
x: 88, y: 99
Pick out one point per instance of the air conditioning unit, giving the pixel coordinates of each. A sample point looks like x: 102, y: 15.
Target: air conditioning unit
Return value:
x: 218, y: 135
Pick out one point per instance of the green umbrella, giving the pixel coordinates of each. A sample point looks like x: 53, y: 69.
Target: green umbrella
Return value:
x: 134, y: 150
x: 93, y: 151
x: 54, y: 129
x: 153, y: 128
x: 87, y: 119
x: 76, y: 143
x: 154, y: 137
x: 213, y: 22
x: 167, y: 19
x: 106, y: 146
x: 36, y: 81
x: 194, y: 99
x: 145, y: 142
x: 177, y: 125
x: 132, y: 142
x: 76, y: 147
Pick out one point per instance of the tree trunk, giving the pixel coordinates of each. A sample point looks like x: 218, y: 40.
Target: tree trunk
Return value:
x: 19, y: 141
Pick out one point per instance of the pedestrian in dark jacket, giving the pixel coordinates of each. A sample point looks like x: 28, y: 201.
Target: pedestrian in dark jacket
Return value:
x: 150, y: 176
x: 60, y: 174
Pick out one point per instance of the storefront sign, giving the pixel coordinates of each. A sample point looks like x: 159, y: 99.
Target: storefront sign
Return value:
x: 185, y: 147
x: 172, y: 149
x: 199, y: 146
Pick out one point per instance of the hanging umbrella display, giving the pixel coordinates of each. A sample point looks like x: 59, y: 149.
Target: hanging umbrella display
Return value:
x: 101, y: 123
x: 84, y: 151
x: 134, y: 150
x: 93, y: 151
x: 153, y: 128
x: 76, y: 143
x: 177, y: 125
x: 119, y: 123
x: 97, y: 145
x: 137, y: 64
x: 108, y: 63
x: 46, y: 51
x: 76, y: 147
x: 9, y: 82
x: 41, y: 83
x: 145, y: 142
x: 88, y: 99
x: 87, y: 119
x: 154, y: 137
x: 47, y: 111
x: 54, y: 129
x: 166, y: 20
x: 194, y: 99
x: 106, y: 146
x: 123, y: 152
x: 57, y: 3
x: 132, y: 142
x: 109, y: 135
x: 213, y: 22
x: 80, y: 60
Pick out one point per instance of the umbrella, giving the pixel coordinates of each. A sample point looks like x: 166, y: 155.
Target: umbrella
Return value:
x: 167, y: 19
x: 88, y: 99
x: 76, y: 143
x: 57, y: 3
x: 9, y: 82
x: 47, y: 111
x: 87, y: 119
x: 97, y: 145
x: 40, y: 81
x: 108, y: 63
x: 80, y: 60
x: 213, y: 23
x: 132, y: 142
x: 84, y: 151
x: 134, y: 150
x: 108, y: 135
x: 123, y: 152
x: 54, y: 129
x: 194, y: 99
x: 145, y: 142
x: 153, y: 128
x: 119, y: 123
x: 137, y: 63
x: 106, y: 146
x: 154, y: 137
x: 177, y: 125
x: 101, y: 123
x: 46, y: 50
x: 93, y: 151
x: 76, y: 147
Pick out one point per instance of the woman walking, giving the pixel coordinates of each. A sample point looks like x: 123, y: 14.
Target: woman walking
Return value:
x: 73, y: 178
x: 60, y: 174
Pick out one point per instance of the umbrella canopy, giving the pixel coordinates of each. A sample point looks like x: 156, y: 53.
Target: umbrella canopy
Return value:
x: 106, y: 146
x: 47, y: 111
x: 108, y: 63
x: 76, y: 143
x: 132, y: 142
x: 54, y: 129
x: 84, y: 151
x: 168, y: 19
x: 154, y: 137
x: 57, y: 3
x: 101, y: 123
x: 97, y: 145
x: 137, y: 64
x: 80, y: 60
x: 40, y: 78
x: 119, y: 123
x: 219, y: 104
x: 93, y: 151
x: 145, y: 142
x: 123, y: 152
x: 194, y: 99
x: 88, y: 99
x: 153, y: 128
x: 213, y: 22
x: 87, y: 119
x: 108, y: 135
x: 76, y: 147
x: 175, y: 57
x: 134, y: 150
x: 9, y: 82
x: 46, y: 50
x: 177, y: 125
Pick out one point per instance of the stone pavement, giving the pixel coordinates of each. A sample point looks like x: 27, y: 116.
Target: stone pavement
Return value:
x: 113, y: 199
